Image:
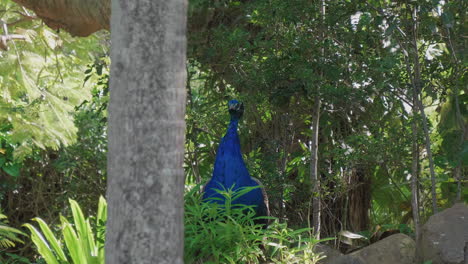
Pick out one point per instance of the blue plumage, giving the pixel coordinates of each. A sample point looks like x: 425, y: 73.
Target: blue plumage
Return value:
x: 230, y: 170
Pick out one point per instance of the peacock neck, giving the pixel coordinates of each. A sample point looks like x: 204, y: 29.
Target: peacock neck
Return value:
x: 229, y: 166
x: 233, y: 125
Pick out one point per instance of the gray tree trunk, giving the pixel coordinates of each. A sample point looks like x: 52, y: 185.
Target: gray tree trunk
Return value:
x: 315, y: 179
x: 414, y: 181
x: 417, y: 91
x: 458, y: 169
x: 146, y: 132
x: 78, y: 17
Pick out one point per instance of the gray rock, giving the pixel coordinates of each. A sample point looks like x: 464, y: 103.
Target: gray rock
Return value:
x: 398, y: 248
x: 445, y: 236
x: 333, y: 256
x: 346, y: 259
x: 328, y: 252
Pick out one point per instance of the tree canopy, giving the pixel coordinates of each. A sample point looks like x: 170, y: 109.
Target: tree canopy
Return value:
x: 390, y: 78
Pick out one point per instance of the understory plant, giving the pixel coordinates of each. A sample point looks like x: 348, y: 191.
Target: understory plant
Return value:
x: 9, y: 237
x: 78, y: 243
x: 8, y: 234
x: 227, y: 233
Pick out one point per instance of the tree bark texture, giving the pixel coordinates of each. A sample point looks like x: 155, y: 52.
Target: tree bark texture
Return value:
x: 414, y: 180
x: 315, y: 180
x: 146, y: 132
x: 78, y: 17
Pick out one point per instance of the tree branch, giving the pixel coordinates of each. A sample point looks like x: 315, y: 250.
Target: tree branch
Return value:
x: 5, y: 38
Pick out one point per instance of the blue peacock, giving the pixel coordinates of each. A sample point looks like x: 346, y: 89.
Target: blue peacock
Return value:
x: 230, y: 170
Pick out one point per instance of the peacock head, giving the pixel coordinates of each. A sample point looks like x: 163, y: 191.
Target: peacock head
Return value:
x: 236, y: 109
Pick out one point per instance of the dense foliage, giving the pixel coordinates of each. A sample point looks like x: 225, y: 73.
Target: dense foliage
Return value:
x: 80, y: 243
x: 53, y: 109
x: 364, y: 60
x: 277, y: 55
x: 227, y: 234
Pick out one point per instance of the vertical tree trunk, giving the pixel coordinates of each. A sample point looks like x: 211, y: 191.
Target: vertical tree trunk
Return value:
x: 414, y: 180
x: 315, y: 180
x: 146, y: 132
x: 457, y: 174
x: 458, y: 178
x: 417, y: 92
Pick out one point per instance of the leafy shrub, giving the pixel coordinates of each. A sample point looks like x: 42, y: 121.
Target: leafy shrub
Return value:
x: 8, y: 239
x: 81, y: 245
x: 213, y: 234
x: 227, y: 234
x: 8, y: 235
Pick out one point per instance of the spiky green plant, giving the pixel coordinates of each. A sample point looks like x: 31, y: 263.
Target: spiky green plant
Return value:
x: 82, y: 245
x: 8, y: 235
x: 227, y: 234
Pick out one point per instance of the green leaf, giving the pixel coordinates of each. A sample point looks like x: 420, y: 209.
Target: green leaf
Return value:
x: 42, y: 246
x: 7, y: 229
x: 101, y: 220
x: 83, y: 229
x: 12, y: 169
x: 74, y: 245
x: 51, y: 238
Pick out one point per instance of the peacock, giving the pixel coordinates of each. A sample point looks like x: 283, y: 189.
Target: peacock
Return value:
x: 230, y: 170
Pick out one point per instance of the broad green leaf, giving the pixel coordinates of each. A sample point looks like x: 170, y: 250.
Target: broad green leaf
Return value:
x: 42, y: 246
x: 102, y: 211
x: 51, y: 238
x: 90, y: 236
x: 74, y: 245
x: 12, y: 169
x: 81, y: 226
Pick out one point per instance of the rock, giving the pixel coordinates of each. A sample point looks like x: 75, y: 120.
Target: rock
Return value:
x: 444, y: 238
x: 398, y: 248
x: 334, y: 256
x: 345, y: 259
x: 328, y: 252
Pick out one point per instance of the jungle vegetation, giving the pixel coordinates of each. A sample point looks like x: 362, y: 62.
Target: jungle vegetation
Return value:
x: 376, y: 88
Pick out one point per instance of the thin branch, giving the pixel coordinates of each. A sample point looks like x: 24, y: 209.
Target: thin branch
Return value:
x: 23, y: 19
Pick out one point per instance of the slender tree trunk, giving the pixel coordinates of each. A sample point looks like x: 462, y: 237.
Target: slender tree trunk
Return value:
x: 417, y: 92
x: 464, y: 136
x: 458, y: 178
x: 146, y: 132
x: 315, y: 179
x: 414, y: 181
